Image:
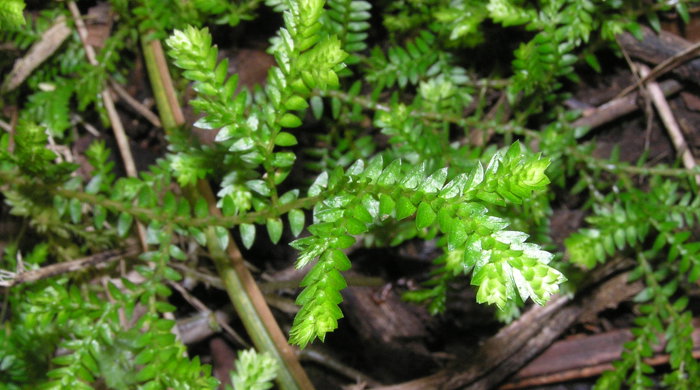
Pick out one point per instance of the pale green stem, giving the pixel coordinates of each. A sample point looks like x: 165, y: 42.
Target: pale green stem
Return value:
x: 239, y: 283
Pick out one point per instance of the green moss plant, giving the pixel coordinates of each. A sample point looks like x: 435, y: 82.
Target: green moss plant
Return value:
x: 411, y: 146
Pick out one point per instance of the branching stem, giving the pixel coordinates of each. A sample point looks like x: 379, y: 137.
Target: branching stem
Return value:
x: 470, y: 122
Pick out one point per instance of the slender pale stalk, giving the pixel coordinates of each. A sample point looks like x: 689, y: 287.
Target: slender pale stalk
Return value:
x: 239, y: 283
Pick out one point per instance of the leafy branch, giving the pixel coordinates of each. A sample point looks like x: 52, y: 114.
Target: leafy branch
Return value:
x: 402, y: 121
x: 504, y: 265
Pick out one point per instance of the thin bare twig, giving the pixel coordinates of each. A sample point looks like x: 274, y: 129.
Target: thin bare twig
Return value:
x: 117, y: 127
x: 618, y: 107
x: 135, y: 104
x: 200, y: 326
x: 10, y: 279
x: 76, y: 118
x: 664, y: 67
x: 50, y: 41
x: 648, y: 110
x: 202, y: 308
x: 5, y: 126
x: 669, y: 121
x: 321, y: 358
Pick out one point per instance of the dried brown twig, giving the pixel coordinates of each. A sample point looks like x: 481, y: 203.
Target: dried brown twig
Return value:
x: 50, y: 41
x: 674, y: 131
x: 115, y: 121
x: 10, y: 279
x: 664, y: 67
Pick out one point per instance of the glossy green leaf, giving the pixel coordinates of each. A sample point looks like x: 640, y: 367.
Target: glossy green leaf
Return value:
x: 296, y: 102
x: 222, y: 236
x: 259, y: 186
x: 386, y: 204
x: 390, y: 174
x: 404, y: 208
x: 177, y: 253
x: 247, y: 234
x: 296, y: 221
x: 425, y: 216
x: 285, y: 139
x: 290, y: 121
x: 274, y: 229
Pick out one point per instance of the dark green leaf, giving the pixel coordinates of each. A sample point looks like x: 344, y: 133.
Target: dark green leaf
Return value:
x: 317, y: 107
x: 201, y: 209
x: 124, y: 224
x: 177, y: 253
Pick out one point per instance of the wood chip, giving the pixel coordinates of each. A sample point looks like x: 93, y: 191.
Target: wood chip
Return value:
x: 50, y: 41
